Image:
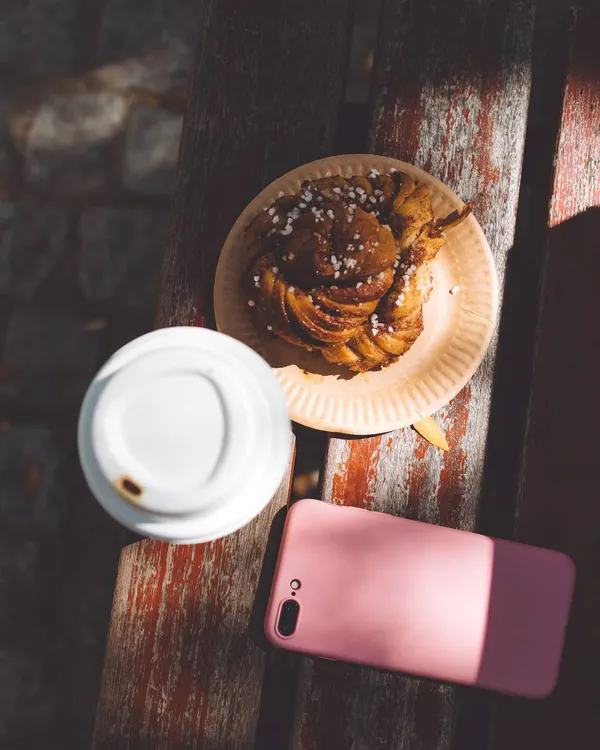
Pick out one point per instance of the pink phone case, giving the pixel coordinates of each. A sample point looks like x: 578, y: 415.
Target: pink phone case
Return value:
x: 411, y: 597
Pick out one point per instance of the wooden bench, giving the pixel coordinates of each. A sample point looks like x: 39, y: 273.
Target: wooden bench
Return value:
x: 187, y: 665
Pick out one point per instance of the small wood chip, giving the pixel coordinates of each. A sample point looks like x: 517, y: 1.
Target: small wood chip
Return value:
x: 428, y: 429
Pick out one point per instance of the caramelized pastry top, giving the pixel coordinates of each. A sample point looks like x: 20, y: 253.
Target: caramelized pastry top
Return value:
x: 344, y: 266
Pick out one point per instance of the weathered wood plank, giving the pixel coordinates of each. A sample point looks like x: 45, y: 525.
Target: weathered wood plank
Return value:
x: 264, y: 97
x: 558, y: 505
x: 451, y: 95
x: 182, y: 666
x: 185, y: 660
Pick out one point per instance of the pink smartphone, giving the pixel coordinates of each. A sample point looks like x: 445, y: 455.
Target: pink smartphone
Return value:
x: 400, y: 595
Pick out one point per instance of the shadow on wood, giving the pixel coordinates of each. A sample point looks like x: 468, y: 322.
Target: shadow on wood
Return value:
x: 559, y: 503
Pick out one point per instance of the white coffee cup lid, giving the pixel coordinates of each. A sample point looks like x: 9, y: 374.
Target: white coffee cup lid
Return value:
x: 184, y: 434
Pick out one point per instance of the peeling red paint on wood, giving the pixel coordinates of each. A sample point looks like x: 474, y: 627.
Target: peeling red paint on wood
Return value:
x: 454, y: 467
x: 198, y: 317
x: 452, y: 99
x: 184, y: 663
x: 558, y: 505
x: 185, y: 660
x: 352, y: 481
x: 579, y: 142
x: 416, y: 476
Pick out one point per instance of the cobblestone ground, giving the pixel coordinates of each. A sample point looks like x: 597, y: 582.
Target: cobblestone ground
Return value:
x: 90, y: 117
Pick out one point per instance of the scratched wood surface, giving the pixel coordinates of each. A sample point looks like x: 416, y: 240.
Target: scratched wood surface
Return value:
x: 185, y: 659
x: 264, y: 97
x: 185, y: 656
x: 558, y: 505
x: 451, y: 90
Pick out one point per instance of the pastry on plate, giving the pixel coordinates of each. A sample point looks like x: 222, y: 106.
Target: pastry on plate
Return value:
x: 344, y: 266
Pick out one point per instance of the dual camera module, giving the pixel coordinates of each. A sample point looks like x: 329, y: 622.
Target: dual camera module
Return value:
x: 288, y: 614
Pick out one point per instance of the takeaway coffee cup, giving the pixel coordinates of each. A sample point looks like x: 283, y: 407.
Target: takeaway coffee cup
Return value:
x: 184, y: 435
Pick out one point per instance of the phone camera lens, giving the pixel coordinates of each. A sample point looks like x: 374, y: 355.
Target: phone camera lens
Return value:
x: 288, y: 617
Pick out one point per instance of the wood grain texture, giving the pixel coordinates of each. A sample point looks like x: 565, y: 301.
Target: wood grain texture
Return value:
x: 451, y: 92
x: 558, y: 505
x: 577, y: 166
x: 186, y: 657
x: 185, y: 660
x: 264, y: 97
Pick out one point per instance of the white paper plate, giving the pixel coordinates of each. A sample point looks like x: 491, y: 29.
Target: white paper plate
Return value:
x: 457, y: 327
